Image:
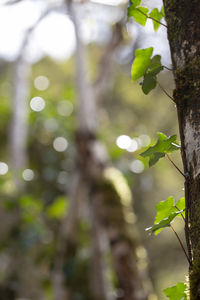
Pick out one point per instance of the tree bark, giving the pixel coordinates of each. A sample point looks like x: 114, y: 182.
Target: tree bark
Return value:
x: 183, y: 22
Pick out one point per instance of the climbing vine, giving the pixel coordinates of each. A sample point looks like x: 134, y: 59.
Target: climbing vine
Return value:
x: 146, y: 67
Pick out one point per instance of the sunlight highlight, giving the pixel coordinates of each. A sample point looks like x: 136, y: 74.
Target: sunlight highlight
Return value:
x: 41, y: 83
x: 3, y: 168
x: 133, y: 146
x: 60, y: 144
x: 28, y: 175
x: 123, y: 141
x: 37, y: 104
x: 145, y: 140
x: 137, y: 166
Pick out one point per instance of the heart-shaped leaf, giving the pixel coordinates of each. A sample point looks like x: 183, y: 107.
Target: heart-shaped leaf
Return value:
x: 156, y: 16
x: 177, y: 292
x: 141, y: 62
x: 164, y: 145
x: 166, y: 211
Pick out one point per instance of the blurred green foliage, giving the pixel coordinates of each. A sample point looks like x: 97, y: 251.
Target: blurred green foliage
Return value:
x: 31, y: 220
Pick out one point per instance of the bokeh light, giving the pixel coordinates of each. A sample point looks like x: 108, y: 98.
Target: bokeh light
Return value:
x: 123, y: 141
x: 133, y: 146
x: 37, y: 104
x: 62, y: 177
x: 3, y: 168
x: 41, y: 83
x: 28, y: 175
x: 145, y: 140
x: 137, y: 166
x: 60, y: 144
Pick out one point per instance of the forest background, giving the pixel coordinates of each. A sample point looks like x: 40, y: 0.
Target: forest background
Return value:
x: 40, y: 90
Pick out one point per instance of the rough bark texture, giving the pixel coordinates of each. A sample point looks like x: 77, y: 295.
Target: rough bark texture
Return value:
x: 182, y: 17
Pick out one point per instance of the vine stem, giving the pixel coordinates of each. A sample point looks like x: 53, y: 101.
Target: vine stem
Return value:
x: 181, y: 244
x: 148, y: 17
x: 174, y: 165
x: 166, y: 93
x: 181, y: 213
x: 167, y: 68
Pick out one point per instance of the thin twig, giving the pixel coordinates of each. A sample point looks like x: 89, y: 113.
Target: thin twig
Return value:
x: 181, y: 244
x: 148, y: 17
x: 180, y: 213
x: 175, y: 165
x: 167, y: 68
x: 166, y: 93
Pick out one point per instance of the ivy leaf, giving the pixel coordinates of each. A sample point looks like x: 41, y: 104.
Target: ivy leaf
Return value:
x: 141, y: 62
x: 166, y: 212
x: 155, y: 157
x: 155, y: 65
x: 139, y: 14
x: 181, y: 205
x: 149, y: 81
x: 162, y: 11
x: 164, y: 145
x: 164, y: 209
x: 164, y: 223
x: 176, y: 292
x: 148, y: 84
x: 157, y: 16
x: 148, y: 67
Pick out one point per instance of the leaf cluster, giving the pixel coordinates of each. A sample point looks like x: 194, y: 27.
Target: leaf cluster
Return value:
x: 141, y: 14
x: 166, y: 212
x: 163, y: 145
x: 147, y: 67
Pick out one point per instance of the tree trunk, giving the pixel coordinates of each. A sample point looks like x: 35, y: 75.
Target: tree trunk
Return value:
x: 183, y: 22
x: 18, y: 130
x: 92, y: 161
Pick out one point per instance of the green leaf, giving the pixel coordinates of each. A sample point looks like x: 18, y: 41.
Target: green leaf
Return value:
x: 157, y: 16
x: 181, y: 205
x: 155, y: 157
x: 148, y: 84
x: 139, y: 14
x: 141, y: 62
x: 164, y: 145
x: 164, y: 223
x: 176, y: 292
x: 162, y: 11
x: 58, y: 209
x: 155, y: 65
x: 164, y: 209
x: 166, y: 212
x: 156, y: 60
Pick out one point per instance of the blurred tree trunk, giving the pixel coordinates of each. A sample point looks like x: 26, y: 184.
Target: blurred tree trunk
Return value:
x: 92, y: 161
x: 183, y: 24
x: 18, y: 130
